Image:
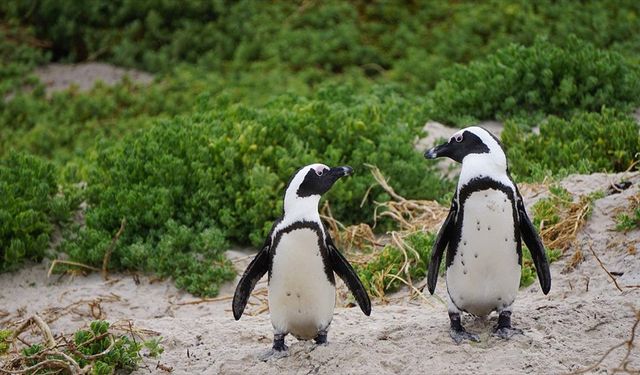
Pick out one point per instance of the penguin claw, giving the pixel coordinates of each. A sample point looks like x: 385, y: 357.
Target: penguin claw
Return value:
x: 507, y: 332
x: 459, y: 336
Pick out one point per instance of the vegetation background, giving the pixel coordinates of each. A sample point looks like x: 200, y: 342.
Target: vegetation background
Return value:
x: 245, y: 92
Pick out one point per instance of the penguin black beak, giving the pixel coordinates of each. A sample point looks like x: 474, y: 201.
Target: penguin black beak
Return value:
x: 338, y: 172
x: 437, y: 151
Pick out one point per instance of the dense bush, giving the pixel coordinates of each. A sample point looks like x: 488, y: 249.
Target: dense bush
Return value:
x: 541, y: 79
x: 18, y: 57
x: 30, y: 206
x: 411, y: 40
x: 585, y: 143
x: 187, y: 184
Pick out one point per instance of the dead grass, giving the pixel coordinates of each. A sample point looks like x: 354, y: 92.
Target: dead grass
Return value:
x: 362, y: 245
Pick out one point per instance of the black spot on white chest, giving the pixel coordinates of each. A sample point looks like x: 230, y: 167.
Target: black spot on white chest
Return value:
x: 484, y: 268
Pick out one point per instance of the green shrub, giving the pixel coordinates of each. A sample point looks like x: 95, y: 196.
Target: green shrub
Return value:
x: 544, y: 78
x: 627, y: 222
x: 5, y: 340
x: 18, y: 57
x: 528, y: 273
x: 187, y: 184
x: 124, y: 355
x: 96, y: 350
x: 379, y: 274
x: 585, y: 143
x: 630, y: 220
x: 31, y: 204
x: 410, y: 41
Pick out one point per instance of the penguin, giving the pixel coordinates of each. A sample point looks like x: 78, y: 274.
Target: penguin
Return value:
x: 483, y: 235
x: 301, y: 259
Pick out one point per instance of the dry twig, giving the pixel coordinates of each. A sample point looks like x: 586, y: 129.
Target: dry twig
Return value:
x: 625, y: 362
x: 602, y: 266
x: 69, y: 263
x: 107, y: 254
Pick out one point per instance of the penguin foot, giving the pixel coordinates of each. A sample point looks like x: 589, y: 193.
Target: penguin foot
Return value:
x: 504, y: 329
x: 507, y: 332
x: 457, y: 331
x: 273, y: 354
x: 278, y: 343
x: 460, y: 335
x: 321, y: 339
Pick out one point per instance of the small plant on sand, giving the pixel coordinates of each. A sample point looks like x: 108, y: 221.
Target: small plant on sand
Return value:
x: 630, y: 220
x: 5, y: 336
x: 396, y: 265
x: 97, y: 350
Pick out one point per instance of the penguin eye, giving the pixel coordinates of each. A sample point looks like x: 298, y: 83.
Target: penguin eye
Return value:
x: 458, y: 138
x: 320, y: 172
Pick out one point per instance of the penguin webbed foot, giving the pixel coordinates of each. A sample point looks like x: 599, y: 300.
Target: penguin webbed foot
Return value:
x: 457, y: 331
x: 507, y: 332
x: 503, y: 329
x: 274, y: 354
x: 279, y: 349
x: 460, y: 335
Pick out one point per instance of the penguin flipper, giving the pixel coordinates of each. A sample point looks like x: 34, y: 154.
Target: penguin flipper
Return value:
x: 536, y: 248
x: 343, y: 269
x: 254, y: 272
x: 439, y: 245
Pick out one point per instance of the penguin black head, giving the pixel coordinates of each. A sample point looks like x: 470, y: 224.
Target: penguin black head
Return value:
x: 310, y: 182
x: 473, y: 140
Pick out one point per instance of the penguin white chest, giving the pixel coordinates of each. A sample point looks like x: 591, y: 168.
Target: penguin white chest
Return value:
x: 485, y: 274
x: 301, y: 298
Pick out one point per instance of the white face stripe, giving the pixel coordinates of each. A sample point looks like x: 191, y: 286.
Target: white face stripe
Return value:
x: 301, y: 208
x: 492, y: 164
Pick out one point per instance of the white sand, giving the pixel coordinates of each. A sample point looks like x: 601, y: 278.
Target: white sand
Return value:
x: 569, y: 329
x: 57, y: 77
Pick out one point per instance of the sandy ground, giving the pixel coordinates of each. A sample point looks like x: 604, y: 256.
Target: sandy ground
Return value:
x: 57, y: 77
x: 571, y: 328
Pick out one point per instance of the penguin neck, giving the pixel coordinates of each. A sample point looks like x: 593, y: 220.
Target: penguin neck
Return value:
x: 492, y: 165
x: 298, y: 209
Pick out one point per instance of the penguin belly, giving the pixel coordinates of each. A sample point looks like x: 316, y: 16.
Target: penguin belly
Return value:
x: 301, y: 298
x: 485, y: 275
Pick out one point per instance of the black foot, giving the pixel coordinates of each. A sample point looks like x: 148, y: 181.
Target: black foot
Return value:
x: 457, y: 331
x: 504, y: 329
x: 273, y: 354
x: 279, y: 349
x: 321, y: 338
x: 278, y: 343
x: 460, y: 336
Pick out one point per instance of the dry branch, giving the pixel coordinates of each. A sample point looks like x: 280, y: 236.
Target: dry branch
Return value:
x: 69, y: 263
x: 107, y: 254
x: 625, y: 362
x: 602, y: 266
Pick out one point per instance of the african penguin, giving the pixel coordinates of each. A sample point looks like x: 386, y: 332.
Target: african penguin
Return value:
x: 483, y: 235
x: 301, y: 259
